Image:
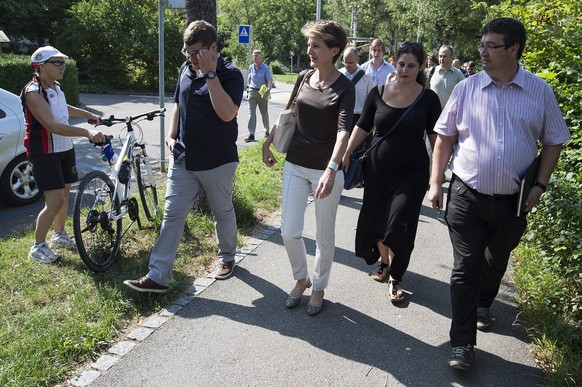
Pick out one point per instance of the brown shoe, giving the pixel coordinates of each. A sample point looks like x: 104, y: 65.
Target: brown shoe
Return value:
x: 225, y: 270
x: 146, y: 285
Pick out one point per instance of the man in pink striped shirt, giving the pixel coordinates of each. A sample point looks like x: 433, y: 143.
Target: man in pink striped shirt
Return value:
x: 489, y: 130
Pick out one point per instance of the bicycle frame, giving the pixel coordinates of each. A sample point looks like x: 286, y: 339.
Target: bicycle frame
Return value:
x: 127, y: 150
x: 122, y: 193
x: 102, y: 200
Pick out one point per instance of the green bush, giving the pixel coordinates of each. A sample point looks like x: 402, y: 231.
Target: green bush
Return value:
x: 276, y: 67
x: 16, y: 71
x: 115, y: 43
x: 554, y: 230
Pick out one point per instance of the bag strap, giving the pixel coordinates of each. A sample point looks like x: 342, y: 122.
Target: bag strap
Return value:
x: 358, y: 76
x: 294, y: 103
x: 431, y: 73
x: 397, y: 122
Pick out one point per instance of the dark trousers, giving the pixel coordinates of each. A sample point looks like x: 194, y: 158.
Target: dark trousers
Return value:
x: 484, y: 230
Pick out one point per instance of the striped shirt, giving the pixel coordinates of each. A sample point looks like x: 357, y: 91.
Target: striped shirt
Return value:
x: 498, y: 128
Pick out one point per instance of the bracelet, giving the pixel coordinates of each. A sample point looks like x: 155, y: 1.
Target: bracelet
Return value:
x: 540, y: 185
x: 333, y: 165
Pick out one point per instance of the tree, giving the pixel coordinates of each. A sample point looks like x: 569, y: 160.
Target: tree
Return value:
x: 276, y: 28
x: 115, y: 43
x: 35, y: 20
x: 201, y: 10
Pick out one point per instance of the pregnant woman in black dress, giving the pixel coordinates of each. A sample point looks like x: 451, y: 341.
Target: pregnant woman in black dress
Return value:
x: 397, y: 170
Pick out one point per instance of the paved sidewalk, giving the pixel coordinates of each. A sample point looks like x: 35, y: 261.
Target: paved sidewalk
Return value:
x: 238, y: 332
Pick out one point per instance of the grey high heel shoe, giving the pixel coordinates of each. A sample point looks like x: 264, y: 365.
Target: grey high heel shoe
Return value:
x: 291, y: 302
x: 314, y: 310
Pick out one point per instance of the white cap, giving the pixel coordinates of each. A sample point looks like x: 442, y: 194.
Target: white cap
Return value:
x: 45, y: 53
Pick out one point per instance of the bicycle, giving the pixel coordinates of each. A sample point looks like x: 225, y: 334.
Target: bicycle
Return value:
x: 102, y: 201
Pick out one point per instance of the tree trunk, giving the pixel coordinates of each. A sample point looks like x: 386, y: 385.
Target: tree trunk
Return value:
x: 201, y: 10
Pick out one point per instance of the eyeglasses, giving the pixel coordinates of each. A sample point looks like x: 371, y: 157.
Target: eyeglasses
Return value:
x: 192, y: 54
x: 56, y: 63
x: 416, y: 45
x: 349, y: 63
x: 490, y: 47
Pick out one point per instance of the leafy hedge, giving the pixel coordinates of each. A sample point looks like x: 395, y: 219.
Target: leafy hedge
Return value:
x: 554, y: 230
x: 16, y: 71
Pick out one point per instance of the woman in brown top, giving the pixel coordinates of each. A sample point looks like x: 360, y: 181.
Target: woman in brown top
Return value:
x: 325, y: 105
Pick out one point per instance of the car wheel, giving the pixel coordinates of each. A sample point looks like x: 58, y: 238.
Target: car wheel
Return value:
x: 17, y: 185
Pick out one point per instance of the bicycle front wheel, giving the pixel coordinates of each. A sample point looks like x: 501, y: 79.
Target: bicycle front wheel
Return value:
x: 96, y: 235
x: 147, y: 187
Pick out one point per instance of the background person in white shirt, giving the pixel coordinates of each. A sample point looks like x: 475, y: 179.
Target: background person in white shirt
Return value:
x: 362, y: 81
x: 377, y: 67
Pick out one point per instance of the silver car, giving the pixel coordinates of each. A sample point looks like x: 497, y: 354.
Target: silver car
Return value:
x: 17, y: 185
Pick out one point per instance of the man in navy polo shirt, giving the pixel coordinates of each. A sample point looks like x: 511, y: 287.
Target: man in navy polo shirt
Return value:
x: 202, y: 141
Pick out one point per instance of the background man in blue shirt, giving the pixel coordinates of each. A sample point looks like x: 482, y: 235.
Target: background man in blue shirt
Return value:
x: 260, y: 82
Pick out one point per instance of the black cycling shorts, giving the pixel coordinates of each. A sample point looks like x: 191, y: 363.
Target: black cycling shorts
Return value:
x: 54, y: 170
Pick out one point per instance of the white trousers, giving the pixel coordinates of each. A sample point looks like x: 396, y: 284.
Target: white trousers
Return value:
x: 298, y: 182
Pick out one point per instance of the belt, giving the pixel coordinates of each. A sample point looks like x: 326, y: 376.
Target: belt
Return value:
x: 496, y: 196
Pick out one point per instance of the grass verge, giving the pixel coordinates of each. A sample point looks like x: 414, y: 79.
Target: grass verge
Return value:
x: 286, y: 78
x: 56, y: 317
x: 556, y: 336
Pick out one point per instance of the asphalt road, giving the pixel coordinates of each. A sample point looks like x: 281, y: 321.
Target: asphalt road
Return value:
x: 13, y: 220
x: 238, y: 332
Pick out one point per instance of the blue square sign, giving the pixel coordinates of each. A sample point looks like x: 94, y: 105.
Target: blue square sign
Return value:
x: 244, y: 34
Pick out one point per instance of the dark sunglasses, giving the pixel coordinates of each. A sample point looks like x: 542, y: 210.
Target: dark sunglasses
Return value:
x: 56, y: 63
x: 416, y: 45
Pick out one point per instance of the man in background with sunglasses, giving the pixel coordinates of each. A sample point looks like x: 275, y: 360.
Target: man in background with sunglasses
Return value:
x: 49, y: 146
x: 491, y: 127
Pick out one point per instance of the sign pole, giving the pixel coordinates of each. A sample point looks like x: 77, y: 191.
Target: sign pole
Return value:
x: 161, y: 83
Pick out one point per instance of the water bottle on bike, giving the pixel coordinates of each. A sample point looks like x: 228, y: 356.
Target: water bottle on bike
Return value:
x: 124, y: 171
x: 108, y: 154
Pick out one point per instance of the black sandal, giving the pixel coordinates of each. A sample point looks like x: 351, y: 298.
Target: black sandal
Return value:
x: 395, y: 292
x: 381, y: 273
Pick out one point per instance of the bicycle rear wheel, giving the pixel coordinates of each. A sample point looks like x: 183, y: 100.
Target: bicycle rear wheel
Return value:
x: 147, y: 187
x: 96, y: 235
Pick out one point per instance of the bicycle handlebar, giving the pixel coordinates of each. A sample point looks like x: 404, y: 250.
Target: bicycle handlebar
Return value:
x: 108, y: 139
x: 112, y: 120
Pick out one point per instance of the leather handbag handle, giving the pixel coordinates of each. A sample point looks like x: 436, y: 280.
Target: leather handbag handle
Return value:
x: 294, y: 103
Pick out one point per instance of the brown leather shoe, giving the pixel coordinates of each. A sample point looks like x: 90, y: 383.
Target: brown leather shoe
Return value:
x: 225, y: 270
x: 146, y: 285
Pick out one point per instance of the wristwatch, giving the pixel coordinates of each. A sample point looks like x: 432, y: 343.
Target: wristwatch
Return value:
x: 210, y: 75
x: 540, y: 185
x: 333, y: 165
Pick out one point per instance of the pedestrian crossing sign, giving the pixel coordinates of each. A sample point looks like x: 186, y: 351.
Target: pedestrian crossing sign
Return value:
x: 244, y: 34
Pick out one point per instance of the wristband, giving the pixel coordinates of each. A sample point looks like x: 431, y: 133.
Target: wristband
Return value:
x: 540, y: 185
x: 333, y: 165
